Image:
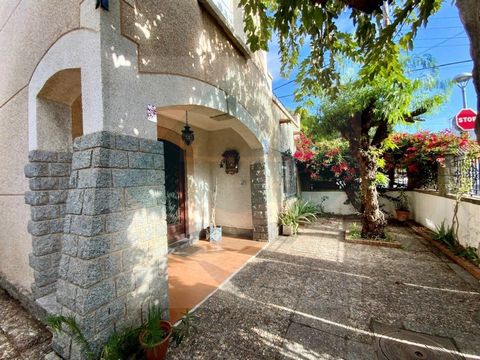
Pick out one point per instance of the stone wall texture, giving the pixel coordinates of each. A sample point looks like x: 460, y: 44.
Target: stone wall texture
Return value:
x: 259, y: 201
x: 48, y: 173
x: 114, y: 256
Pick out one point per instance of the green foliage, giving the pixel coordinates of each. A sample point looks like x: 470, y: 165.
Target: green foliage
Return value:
x: 445, y: 235
x: 375, y: 44
x: 125, y: 345
x: 68, y: 325
x: 154, y: 333
x: 185, y: 328
x: 355, y: 231
x: 300, y: 212
x: 470, y: 253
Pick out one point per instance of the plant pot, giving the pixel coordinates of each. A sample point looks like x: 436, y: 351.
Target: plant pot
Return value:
x: 214, y: 233
x: 287, y: 230
x: 402, y: 215
x: 159, y: 350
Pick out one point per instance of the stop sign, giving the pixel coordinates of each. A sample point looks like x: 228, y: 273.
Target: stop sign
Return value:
x: 466, y: 119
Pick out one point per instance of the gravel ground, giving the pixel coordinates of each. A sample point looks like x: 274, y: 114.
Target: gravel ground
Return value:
x: 21, y: 335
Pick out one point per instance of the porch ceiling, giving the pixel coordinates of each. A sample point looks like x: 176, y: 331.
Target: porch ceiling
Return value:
x: 210, y: 119
x: 201, y: 117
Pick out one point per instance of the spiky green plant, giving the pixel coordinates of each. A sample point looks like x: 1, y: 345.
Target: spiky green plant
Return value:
x: 445, y: 234
x: 300, y: 212
x: 57, y: 324
x: 154, y: 333
x: 184, y: 328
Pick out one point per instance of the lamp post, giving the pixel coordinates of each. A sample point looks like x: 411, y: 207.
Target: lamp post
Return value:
x: 462, y: 81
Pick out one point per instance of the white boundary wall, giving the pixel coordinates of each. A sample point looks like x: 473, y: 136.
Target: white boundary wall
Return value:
x: 431, y: 209
x: 428, y: 209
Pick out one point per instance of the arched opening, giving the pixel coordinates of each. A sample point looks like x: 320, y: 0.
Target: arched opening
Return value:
x: 59, y: 111
x: 236, y: 206
x: 57, y: 121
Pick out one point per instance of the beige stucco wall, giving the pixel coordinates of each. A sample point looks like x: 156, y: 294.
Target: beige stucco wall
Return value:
x: 27, y: 30
x: 197, y: 65
x: 233, y: 194
x: 234, y: 206
x: 15, y: 242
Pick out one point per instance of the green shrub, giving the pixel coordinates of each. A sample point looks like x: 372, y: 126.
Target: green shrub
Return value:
x: 445, y: 235
x: 470, y: 253
x: 300, y: 212
x: 125, y: 344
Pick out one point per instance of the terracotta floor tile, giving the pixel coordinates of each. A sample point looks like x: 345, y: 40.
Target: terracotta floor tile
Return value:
x: 196, y: 271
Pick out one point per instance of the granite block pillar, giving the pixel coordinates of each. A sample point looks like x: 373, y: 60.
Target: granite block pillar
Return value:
x: 48, y: 173
x: 114, y: 255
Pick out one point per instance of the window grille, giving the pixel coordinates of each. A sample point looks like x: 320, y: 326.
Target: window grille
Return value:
x: 289, y: 176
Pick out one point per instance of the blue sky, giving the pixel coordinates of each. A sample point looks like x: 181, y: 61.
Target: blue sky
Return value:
x: 444, y: 38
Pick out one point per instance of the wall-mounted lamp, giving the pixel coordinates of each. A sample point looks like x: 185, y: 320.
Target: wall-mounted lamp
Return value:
x: 187, y: 133
x: 230, y: 159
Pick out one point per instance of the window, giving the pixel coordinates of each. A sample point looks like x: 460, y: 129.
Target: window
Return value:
x: 289, y: 176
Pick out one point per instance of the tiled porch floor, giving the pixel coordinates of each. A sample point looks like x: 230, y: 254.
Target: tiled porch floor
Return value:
x: 196, y: 271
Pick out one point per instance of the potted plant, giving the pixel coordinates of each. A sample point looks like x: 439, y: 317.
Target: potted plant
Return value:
x: 214, y: 232
x: 402, y: 208
x: 155, y: 336
x: 288, y: 224
x: 152, y: 337
x: 300, y: 212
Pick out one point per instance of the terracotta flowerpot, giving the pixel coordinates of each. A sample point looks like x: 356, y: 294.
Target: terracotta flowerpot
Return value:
x: 402, y: 215
x: 158, y: 351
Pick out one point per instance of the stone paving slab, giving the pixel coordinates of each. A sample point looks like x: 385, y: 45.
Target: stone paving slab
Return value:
x: 314, y: 296
x: 21, y: 335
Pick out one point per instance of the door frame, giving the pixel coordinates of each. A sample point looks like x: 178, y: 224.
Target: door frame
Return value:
x: 175, y: 138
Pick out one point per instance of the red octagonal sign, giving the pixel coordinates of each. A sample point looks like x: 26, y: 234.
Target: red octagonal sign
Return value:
x: 466, y: 119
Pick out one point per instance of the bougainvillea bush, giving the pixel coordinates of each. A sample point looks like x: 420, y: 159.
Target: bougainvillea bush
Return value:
x: 328, y: 164
x: 422, y: 153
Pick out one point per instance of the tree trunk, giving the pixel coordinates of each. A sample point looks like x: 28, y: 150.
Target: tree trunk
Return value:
x: 373, y: 222
x: 470, y: 15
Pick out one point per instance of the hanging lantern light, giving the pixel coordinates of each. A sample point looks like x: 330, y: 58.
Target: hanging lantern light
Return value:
x: 187, y: 133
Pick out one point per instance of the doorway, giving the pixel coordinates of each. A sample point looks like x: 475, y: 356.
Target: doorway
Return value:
x: 175, y: 191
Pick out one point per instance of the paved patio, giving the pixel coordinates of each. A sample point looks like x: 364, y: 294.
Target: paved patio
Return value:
x: 316, y: 297
x: 310, y: 297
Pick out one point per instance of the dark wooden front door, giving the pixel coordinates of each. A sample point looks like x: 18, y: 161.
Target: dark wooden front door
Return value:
x: 175, y: 191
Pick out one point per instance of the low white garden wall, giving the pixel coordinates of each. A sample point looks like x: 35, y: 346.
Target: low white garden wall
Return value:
x: 428, y: 209
x: 335, y: 201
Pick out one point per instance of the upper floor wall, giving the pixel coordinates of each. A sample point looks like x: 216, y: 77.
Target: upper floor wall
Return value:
x: 197, y: 39
x: 27, y: 30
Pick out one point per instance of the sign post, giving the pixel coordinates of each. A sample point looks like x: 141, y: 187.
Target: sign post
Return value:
x: 465, y: 119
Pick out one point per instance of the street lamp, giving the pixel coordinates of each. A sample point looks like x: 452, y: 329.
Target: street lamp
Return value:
x: 462, y: 81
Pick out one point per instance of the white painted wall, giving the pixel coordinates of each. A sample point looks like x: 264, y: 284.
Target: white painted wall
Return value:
x: 334, y: 201
x: 430, y: 210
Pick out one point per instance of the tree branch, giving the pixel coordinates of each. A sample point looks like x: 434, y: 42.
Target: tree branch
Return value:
x: 411, y: 118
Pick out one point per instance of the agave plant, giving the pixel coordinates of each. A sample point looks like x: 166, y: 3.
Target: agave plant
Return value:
x: 300, y: 212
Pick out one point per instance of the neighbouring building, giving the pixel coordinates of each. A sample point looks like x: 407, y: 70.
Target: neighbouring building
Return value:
x: 96, y: 181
